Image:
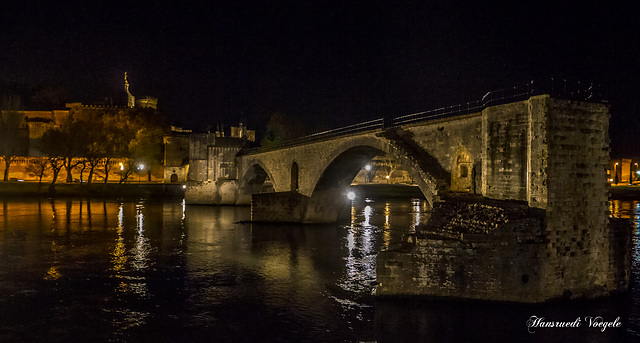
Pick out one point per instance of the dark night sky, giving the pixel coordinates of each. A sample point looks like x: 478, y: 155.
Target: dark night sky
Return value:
x: 342, y: 61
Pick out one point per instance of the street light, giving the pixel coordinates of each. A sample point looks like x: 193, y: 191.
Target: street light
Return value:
x: 367, y: 177
x: 140, y: 169
x: 351, y: 196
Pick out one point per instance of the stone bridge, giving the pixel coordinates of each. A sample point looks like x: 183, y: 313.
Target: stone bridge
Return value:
x: 518, y: 189
x: 500, y: 152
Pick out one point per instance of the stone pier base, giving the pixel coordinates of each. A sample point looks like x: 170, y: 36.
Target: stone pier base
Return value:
x: 221, y: 192
x: 498, y: 250
x: 291, y: 207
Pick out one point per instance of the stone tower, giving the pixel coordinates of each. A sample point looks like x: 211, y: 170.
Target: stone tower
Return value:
x: 131, y: 100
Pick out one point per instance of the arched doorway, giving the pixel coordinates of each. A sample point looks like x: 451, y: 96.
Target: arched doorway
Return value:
x: 461, y: 172
x: 174, y: 178
x: 294, y: 177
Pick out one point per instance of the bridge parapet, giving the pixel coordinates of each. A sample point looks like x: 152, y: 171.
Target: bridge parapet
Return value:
x: 556, y: 88
x: 371, y: 125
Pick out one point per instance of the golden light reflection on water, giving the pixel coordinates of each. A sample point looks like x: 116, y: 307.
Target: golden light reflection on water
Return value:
x: 386, y: 233
x: 53, y: 273
x: 119, y: 254
x: 370, y: 229
x: 205, y: 256
x: 137, y: 259
x: 353, y: 214
x: 626, y: 209
x: 142, y: 246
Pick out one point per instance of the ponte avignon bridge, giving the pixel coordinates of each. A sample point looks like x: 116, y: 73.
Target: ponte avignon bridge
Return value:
x: 517, y: 182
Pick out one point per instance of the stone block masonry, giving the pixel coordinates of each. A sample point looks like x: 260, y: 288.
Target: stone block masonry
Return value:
x: 477, y: 248
x: 551, y: 238
x: 470, y: 248
x: 280, y: 207
x: 291, y: 207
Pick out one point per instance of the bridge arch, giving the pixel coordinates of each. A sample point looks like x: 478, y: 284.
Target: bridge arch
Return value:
x: 343, y: 168
x: 253, y: 181
x: 349, y: 158
x: 326, y: 168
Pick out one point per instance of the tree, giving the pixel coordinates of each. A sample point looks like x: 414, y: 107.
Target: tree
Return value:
x: 119, y: 132
x: 147, y: 148
x: 13, y: 138
x: 93, y: 148
x: 73, y: 139
x: 39, y: 168
x: 280, y: 128
x: 101, y: 136
x: 53, y: 146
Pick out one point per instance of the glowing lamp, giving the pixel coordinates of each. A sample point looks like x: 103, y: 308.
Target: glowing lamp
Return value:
x: 351, y: 195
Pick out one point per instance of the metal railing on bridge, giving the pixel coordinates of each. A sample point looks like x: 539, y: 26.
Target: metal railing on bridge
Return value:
x: 370, y: 125
x: 556, y: 88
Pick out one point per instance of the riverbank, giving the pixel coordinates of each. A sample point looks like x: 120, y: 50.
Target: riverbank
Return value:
x: 625, y: 192
x: 16, y: 189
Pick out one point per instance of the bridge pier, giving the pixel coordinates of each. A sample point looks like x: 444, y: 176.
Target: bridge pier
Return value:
x: 221, y: 192
x: 546, y: 235
x: 293, y: 207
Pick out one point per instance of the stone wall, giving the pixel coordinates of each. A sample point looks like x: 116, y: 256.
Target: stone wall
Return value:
x: 504, y: 146
x: 212, y: 173
x: 221, y: 192
x: 179, y: 172
x: 199, y: 156
x: 293, y: 207
x: 443, y: 139
x: 476, y: 250
x: 278, y: 207
x: 551, y: 155
x: 493, y: 250
x: 577, y: 193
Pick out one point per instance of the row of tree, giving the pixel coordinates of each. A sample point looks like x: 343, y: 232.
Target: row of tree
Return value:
x: 92, y: 140
x: 88, y: 142
x: 13, y: 134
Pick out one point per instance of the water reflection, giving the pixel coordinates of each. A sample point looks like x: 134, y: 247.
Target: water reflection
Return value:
x: 627, y: 209
x: 119, y: 254
x: 165, y: 271
x: 416, y: 213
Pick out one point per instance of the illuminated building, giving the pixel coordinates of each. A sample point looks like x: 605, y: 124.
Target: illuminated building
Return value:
x: 623, y: 170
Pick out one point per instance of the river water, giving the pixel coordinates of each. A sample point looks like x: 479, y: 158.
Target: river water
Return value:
x: 160, y: 271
